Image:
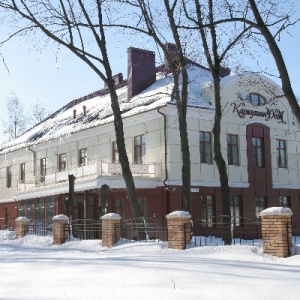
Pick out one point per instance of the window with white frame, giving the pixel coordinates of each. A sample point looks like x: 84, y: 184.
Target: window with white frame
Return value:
x: 205, y: 147
x: 43, y: 168
x: 232, y: 149
x: 260, y: 204
x: 281, y: 153
x: 22, y: 172
x: 82, y: 159
x: 236, y: 210
x: 258, y: 152
x: 208, y: 210
x: 139, y: 149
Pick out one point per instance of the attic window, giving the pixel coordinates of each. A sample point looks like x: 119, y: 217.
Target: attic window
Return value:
x: 256, y: 99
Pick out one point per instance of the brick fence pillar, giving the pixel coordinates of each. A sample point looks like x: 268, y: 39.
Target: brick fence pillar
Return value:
x: 179, y: 229
x: 110, y: 229
x: 21, y: 222
x: 60, y: 230
x: 277, y: 231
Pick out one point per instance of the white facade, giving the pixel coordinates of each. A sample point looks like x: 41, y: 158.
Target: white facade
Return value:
x: 71, y: 129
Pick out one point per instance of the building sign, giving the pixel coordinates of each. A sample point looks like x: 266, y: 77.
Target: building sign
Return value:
x: 268, y: 114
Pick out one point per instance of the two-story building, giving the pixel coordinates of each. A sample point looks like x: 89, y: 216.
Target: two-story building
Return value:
x: 259, y: 143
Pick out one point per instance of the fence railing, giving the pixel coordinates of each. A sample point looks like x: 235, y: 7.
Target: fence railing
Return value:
x: 153, y: 231
x: 198, y: 234
x: 39, y: 228
x: 84, y: 229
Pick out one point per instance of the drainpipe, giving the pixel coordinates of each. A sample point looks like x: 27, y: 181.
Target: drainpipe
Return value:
x: 165, y: 142
x: 167, y: 187
x: 34, y: 165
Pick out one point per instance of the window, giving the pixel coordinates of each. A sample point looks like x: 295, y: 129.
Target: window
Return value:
x: 62, y: 162
x: 143, y: 206
x: 39, y: 209
x: 22, y: 209
x: 205, y: 147
x: 119, y: 207
x: 285, y: 201
x: 236, y: 210
x: 261, y: 204
x: 281, y: 154
x: 232, y: 149
x: 50, y: 208
x: 258, y: 152
x: 83, y: 157
x: 30, y: 209
x: 43, y: 167
x: 208, y: 210
x: 139, y: 149
x: 8, y: 177
x: 115, y: 153
x: 22, y: 172
x: 256, y: 99
x: 8, y: 217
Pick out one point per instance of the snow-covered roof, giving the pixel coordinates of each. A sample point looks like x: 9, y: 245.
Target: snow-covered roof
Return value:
x: 98, y: 108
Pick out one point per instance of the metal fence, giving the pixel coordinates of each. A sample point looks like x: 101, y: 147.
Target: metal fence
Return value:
x: 84, y: 229
x: 196, y: 234
x: 152, y: 231
x: 4, y: 225
x: 39, y: 227
x: 214, y: 235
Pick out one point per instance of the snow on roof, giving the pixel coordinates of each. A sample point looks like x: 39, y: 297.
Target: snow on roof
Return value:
x: 98, y: 108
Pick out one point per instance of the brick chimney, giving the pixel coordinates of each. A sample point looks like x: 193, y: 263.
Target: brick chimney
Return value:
x: 224, y: 71
x: 141, y: 71
x: 171, y: 49
x: 118, y: 78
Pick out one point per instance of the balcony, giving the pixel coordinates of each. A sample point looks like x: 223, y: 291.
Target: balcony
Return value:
x: 94, y: 169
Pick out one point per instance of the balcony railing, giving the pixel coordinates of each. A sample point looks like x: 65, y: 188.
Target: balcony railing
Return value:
x: 115, y: 168
x: 95, y: 168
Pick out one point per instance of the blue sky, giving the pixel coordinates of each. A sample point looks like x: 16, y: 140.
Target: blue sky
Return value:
x: 55, y: 76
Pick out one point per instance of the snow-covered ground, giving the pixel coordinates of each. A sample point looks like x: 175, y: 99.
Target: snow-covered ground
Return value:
x: 34, y: 268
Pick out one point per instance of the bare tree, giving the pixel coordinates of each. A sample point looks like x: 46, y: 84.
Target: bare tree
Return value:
x: 267, y: 19
x: 16, y: 121
x: 148, y: 24
x: 38, y: 112
x: 78, y: 26
x: 263, y: 28
x: 203, y: 16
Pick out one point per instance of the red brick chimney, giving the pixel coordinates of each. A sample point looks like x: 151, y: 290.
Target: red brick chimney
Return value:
x: 141, y: 71
x: 172, y: 51
x: 224, y: 71
x: 118, y: 78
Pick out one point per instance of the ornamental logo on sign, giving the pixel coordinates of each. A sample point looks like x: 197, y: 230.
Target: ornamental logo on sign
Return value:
x: 268, y: 114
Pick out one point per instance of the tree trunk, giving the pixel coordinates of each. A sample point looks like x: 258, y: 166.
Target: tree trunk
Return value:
x: 126, y: 172
x: 225, y: 190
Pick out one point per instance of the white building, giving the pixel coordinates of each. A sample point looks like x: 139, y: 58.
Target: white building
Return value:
x: 259, y: 143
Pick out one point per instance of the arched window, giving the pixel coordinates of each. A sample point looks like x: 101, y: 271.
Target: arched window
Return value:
x: 256, y: 99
